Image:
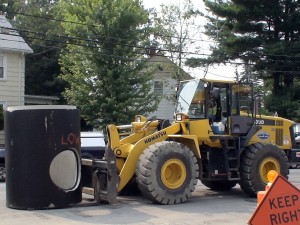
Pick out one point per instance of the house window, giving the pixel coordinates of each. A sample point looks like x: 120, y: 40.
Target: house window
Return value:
x: 2, y: 66
x: 158, y: 87
x: 3, y: 105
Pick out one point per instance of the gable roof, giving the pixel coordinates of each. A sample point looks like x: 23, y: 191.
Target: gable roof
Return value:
x: 10, y: 39
x: 159, y: 58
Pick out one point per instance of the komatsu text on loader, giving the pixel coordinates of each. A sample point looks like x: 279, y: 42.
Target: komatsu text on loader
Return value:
x: 217, y: 137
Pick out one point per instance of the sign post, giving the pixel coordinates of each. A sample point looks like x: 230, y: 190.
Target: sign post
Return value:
x: 280, y: 206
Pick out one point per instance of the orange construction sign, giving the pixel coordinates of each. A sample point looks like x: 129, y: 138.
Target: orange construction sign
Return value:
x: 280, y: 205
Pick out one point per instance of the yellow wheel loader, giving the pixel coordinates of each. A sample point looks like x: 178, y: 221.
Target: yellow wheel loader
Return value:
x: 217, y: 137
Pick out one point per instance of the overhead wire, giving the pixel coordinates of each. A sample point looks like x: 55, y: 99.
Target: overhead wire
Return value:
x: 183, y: 52
x: 115, y: 56
x: 127, y: 45
x: 133, y: 46
x: 95, y: 25
x: 101, y: 41
x: 133, y: 59
x: 82, y: 45
x: 158, y: 34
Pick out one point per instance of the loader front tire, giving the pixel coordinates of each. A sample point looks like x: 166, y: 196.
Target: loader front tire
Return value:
x: 257, y: 160
x: 167, y: 172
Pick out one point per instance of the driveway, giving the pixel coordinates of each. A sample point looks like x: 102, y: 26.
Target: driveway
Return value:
x: 204, y: 207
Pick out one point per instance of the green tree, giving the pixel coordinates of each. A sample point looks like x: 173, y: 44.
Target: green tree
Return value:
x: 283, y: 104
x: 7, y: 7
x: 264, y: 34
x: 174, y: 28
x: 103, y: 62
x: 39, y: 24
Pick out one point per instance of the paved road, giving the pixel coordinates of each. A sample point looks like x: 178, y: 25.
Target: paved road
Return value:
x: 205, y: 207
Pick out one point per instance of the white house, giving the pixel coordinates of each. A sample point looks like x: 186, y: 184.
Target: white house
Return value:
x: 12, y: 67
x: 164, y: 84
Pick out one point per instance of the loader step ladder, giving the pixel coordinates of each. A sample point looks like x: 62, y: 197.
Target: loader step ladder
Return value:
x: 231, y: 150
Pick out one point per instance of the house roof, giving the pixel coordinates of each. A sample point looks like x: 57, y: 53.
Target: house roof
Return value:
x: 159, y: 58
x: 10, y: 39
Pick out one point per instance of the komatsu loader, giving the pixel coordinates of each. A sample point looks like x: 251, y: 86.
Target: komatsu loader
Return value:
x: 218, y: 137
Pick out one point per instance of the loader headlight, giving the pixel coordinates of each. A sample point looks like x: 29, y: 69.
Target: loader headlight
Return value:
x: 138, y: 119
x: 178, y: 117
x: 181, y: 117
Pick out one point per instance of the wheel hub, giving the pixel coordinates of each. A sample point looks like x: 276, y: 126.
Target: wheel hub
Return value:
x: 173, y: 173
x: 266, y: 165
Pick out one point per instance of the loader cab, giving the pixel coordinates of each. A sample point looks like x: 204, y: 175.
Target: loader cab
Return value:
x: 222, y: 103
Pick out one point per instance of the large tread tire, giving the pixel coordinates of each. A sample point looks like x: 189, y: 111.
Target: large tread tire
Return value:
x: 149, y: 175
x: 258, y: 156
x: 219, y: 185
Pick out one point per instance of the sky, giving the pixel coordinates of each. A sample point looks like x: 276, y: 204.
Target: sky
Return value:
x: 213, y: 72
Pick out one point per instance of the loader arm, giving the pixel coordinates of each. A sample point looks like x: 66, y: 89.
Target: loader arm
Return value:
x: 134, y: 150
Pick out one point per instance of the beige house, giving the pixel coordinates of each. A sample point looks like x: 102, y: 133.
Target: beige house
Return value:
x: 12, y: 67
x: 164, y: 84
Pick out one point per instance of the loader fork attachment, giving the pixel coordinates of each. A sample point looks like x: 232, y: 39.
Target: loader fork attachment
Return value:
x: 105, y: 179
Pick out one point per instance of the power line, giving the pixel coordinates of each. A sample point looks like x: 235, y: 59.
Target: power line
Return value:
x: 85, y: 24
x: 127, y: 45
x: 130, y: 59
x: 98, y: 41
x: 126, y: 58
x: 164, y: 62
x: 157, y: 34
x: 90, y: 40
x: 54, y: 19
x: 115, y: 38
x: 49, y: 17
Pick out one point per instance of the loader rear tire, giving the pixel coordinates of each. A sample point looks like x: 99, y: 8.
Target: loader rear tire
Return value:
x: 257, y: 160
x: 167, y: 172
x: 219, y: 185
